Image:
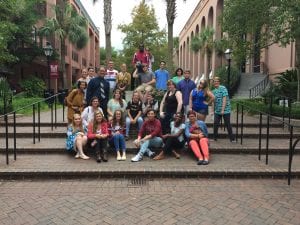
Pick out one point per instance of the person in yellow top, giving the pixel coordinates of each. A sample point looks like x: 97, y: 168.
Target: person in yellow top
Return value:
x: 75, y: 100
x: 123, y: 80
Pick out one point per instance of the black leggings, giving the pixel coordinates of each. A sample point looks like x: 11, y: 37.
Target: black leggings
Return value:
x: 172, y: 143
x: 217, y: 119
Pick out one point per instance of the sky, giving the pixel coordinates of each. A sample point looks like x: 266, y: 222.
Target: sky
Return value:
x: 121, y: 13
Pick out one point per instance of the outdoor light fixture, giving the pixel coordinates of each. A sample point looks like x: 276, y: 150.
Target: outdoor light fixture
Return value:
x: 48, y: 50
x: 228, y: 54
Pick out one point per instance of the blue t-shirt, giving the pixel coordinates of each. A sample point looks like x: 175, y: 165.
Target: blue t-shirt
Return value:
x: 219, y: 93
x: 186, y: 86
x: 161, y: 76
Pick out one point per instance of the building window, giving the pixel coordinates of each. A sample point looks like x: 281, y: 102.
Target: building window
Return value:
x: 75, y: 56
x: 84, y: 62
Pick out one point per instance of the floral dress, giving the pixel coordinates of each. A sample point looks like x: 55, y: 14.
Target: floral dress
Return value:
x: 71, y: 137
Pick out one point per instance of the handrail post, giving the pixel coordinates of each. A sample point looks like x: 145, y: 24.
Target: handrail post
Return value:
x: 237, y: 122
x: 259, y: 141
x: 39, y: 121
x: 242, y: 124
x: 55, y: 111
x: 283, y: 112
x: 6, y: 139
x: 267, y: 141
x: 290, y: 109
x: 33, y: 122
x: 15, y: 138
x: 51, y: 116
x: 63, y: 114
x: 290, y: 154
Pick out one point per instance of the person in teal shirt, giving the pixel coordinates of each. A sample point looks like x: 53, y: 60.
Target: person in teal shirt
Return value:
x: 222, y: 108
x: 178, y: 75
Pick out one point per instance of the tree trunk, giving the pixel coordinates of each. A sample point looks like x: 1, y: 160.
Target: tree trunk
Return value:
x: 170, y: 46
x: 108, y: 47
x: 62, y: 64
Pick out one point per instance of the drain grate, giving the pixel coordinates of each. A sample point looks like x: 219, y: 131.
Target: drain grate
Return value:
x: 137, y: 182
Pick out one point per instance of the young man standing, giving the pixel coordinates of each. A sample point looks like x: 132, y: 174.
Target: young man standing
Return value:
x: 162, y: 76
x: 111, y: 75
x: 186, y: 86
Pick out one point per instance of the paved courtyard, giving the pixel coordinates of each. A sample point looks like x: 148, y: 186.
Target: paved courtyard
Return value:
x: 150, y: 201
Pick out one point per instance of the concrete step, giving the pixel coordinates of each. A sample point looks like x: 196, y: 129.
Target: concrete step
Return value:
x: 222, y: 146
x: 60, y: 166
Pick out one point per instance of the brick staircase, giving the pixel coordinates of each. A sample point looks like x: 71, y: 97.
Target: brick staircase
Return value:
x: 48, y: 158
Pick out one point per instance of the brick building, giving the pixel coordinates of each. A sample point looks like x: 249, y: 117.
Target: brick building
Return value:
x: 272, y: 60
x: 75, y: 59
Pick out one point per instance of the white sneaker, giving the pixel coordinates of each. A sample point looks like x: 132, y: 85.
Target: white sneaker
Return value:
x: 77, y: 155
x: 84, y: 156
x: 136, y: 158
x: 119, y: 158
x: 123, y: 158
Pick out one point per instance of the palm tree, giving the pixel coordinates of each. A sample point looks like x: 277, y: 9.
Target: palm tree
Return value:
x: 171, y: 15
x: 67, y: 24
x: 107, y: 27
x: 205, y: 43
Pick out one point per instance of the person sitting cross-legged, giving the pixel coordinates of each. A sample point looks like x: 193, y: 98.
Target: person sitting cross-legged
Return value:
x: 149, y: 136
x: 175, y: 140
x: 134, y: 112
x: 116, y: 132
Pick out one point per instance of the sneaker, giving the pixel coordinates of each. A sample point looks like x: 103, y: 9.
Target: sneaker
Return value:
x: 205, y: 162
x: 84, y: 156
x: 151, y: 154
x: 136, y: 158
x: 233, y: 141
x: 123, y: 158
x: 119, y: 158
x: 200, y: 162
x: 126, y: 138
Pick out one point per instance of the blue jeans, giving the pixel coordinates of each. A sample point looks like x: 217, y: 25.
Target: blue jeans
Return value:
x: 118, y: 142
x: 139, y: 122
x: 153, y: 142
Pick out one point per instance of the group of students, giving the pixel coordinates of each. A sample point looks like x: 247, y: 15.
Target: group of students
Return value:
x: 177, y: 120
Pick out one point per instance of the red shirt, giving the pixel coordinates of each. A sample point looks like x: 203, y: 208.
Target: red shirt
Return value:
x: 101, y: 129
x: 143, y: 57
x: 151, y: 127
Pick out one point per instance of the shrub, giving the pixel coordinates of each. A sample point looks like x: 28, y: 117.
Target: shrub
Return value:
x: 33, y: 86
x: 223, y: 74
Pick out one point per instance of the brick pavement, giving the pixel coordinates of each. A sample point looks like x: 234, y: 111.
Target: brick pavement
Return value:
x: 157, y: 201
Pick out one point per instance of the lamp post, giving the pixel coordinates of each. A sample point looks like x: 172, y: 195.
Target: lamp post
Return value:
x: 48, y: 50
x: 228, y: 53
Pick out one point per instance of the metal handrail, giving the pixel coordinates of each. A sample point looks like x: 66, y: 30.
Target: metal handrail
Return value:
x: 269, y: 117
x: 258, y: 88
x: 33, y: 105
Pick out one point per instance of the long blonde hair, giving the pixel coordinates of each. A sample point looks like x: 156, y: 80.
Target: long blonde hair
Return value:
x: 80, y: 125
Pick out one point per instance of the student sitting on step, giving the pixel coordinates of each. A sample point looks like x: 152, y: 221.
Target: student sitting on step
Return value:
x: 88, y: 113
x: 175, y: 140
x: 77, y: 138
x: 196, y: 132
x: 116, y: 130
x: 98, y: 133
x: 134, y: 112
x: 149, y: 136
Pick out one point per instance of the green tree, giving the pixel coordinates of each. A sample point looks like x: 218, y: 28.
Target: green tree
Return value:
x: 144, y: 29
x: 116, y: 57
x: 256, y: 24
x: 17, y: 20
x: 67, y: 24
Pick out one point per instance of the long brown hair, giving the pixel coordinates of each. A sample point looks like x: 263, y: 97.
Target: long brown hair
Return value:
x: 95, y: 122
x: 205, y: 87
x: 114, y: 119
x: 120, y: 99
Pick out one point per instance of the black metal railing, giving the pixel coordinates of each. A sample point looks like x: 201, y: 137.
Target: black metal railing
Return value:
x: 240, y: 111
x: 36, y: 122
x: 259, y: 88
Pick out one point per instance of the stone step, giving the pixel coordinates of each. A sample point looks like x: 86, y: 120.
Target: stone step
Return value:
x: 58, y: 166
x: 222, y: 146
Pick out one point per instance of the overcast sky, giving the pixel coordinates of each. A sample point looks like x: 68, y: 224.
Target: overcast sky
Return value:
x: 121, y: 13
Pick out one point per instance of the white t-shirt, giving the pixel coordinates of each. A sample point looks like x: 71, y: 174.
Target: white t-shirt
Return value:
x: 88, y: 115
x: 175, y: 130
x: 111, y: 76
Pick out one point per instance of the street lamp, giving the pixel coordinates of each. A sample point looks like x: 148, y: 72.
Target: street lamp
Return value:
x: 48, y: 50
x: 228, y: 53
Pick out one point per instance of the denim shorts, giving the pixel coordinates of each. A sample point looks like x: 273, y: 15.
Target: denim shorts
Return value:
x: 203, y: 111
